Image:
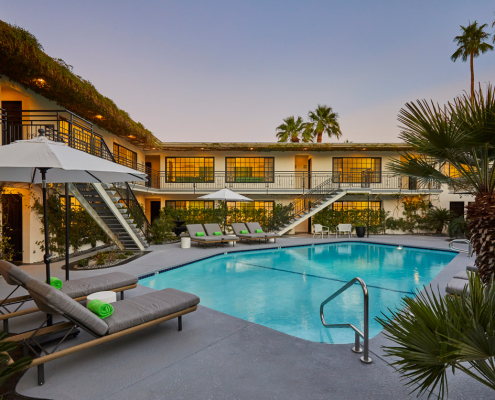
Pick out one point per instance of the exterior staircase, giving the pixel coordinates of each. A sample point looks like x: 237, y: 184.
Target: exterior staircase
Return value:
x: 312, y: 202
x: 113, y: 212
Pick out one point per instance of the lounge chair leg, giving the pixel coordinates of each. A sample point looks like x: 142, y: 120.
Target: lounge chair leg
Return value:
x: 122, y: 295
x: 6, y: 325
x: 180, y: 322
x: 41, y: 374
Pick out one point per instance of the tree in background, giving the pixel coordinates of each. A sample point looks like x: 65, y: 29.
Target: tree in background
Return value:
x: 462, y: 135
x: 470, y: 45
x: 293, y: 130
x: 323, y: 120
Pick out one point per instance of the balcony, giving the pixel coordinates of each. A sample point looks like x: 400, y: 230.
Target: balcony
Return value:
x: 283, y: 182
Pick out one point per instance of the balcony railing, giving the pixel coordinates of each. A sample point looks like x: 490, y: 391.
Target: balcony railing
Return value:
x: 296, y: 182
x: 76, y: 132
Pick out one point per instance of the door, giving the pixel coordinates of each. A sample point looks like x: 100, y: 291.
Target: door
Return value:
x: 12, y: 222
x: 457, y: 208
x: 154, y: 210
x: 301, y: 170
x: 12, y: 128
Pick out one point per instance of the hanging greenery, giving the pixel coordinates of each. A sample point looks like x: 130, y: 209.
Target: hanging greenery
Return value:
x: 83, y: 229
x: 23, y: 60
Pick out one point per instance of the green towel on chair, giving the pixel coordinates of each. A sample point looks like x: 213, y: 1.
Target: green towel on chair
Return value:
x: 217, y: 233
x: 258, y: 231
x: 200, y: 233
x: 243, y: 232
x: 100, y: 308
x: 56, y: 283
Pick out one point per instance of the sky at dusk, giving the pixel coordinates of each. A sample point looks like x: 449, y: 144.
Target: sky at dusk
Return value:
x: 220, y: 71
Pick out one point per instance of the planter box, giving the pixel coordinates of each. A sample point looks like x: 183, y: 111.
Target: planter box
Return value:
x: 360, y: 231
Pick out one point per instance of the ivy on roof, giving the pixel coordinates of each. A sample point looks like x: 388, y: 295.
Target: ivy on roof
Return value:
x: 23, y: 60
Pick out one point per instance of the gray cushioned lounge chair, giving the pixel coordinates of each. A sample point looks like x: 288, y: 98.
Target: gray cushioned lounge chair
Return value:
x: 212, y: 228
x: 462, y: 275
x: 456, y: 286
x: 129, y: 316
x: 239, y: 226
x: 78, y: 289
x: 254, y: 226
x: 471, y: 267
x: 192, y: 229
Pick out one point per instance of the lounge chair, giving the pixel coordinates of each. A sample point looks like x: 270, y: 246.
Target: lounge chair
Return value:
x: 78, y: 289
x: 320, y: 229
x: 255, y: 226
x: 130, y: 315
x: 343, y: 228
x: 212, y: 228
x: 193, y: 229
x: 471, y: 267
x: 239, y: 227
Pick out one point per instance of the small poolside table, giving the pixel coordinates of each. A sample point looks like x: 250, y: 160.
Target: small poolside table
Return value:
x: 106, y: 296
x: 185, y: 242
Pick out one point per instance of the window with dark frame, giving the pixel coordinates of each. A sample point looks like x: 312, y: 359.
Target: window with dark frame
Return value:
x: 265, y: 205
x: 356, y: 205
x: 190, y: 169
x: 357, y: 169
x: 187, y: 204
x: 124, y: 156
x: 249, y: 169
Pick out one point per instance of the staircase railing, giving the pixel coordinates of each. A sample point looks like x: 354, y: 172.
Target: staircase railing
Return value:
x: 305, y: 202
x: 76, y: 132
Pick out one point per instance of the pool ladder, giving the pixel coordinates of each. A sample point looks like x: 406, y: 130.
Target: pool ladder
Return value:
x: 358, y: 334
x: 469, y: 251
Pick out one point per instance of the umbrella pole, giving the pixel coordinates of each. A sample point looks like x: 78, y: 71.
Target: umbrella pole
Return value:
x: 47, y: 256
x: 67, y: 224
x: 225, y: 219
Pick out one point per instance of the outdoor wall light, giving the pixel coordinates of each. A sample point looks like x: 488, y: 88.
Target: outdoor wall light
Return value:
x: 131, y: 136
x: 99, y: 116
x: 251, y: 148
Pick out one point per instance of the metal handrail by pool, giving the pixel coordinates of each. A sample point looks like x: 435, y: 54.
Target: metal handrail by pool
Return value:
x: 469, y: 251
x: 357, y: 346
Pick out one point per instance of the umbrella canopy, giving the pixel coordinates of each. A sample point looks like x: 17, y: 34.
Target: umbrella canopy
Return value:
x: 225, y: 195
x: 22, y: 160
x: 41, y: 160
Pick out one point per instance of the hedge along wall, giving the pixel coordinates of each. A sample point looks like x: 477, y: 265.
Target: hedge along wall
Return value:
x: 22, y: 60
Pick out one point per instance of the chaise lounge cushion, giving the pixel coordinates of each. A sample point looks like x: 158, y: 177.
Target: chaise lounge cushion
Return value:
x: 253, y: 226
x: 141, y: 309
x: 471, y: 267
x: 456, y: 286
x: 212, y: 228
x: 53, y: 301
x: 13, y: 275
x: 99, y: 283
x: 462, y: 275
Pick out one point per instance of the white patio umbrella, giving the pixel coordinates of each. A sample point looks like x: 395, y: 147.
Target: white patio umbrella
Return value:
x: 41, y: 160
x: 225, y: 195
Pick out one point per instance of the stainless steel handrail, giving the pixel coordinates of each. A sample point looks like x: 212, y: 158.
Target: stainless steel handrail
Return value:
x: 357, y: 346
x: 469, y: 251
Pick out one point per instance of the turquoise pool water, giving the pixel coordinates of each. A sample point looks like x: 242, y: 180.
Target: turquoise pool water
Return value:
x: 283, y: 288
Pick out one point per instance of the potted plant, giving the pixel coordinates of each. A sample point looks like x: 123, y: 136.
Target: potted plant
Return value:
x: 360, y: 229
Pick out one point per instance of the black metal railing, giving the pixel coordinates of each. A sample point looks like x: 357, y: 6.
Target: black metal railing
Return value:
x: 76, y: 132
x: 295, y: 182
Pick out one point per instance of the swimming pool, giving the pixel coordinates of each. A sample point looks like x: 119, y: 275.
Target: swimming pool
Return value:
x: 283, y: 288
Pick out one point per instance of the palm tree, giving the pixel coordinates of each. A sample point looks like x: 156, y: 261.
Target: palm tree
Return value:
x: 471, y: 43
x: 460, y: 134
x: 291, y: 129
x: 323, y: 119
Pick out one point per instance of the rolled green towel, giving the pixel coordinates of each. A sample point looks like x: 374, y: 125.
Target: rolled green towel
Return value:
x: 56, y: 283
x: 243, y: 232
x: 258, y: 231
x: 100, y: 308
x: 200, y: 233
x: 217, y: 233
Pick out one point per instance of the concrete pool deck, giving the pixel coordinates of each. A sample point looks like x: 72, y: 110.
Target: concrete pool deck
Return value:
x: 218, y: 356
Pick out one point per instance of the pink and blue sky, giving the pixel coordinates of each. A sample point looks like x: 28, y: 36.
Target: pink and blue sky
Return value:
x: 232, y: 70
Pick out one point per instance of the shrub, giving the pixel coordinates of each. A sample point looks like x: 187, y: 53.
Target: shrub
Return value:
x: 438, y: 218
x: 83, y: 263
x: 458, y: 228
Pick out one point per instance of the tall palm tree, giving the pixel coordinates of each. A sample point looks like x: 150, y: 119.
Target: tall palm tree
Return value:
x: 461, y: 134
x: 291, y: 129
x: 323, y: 119
x: 471, y: 43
